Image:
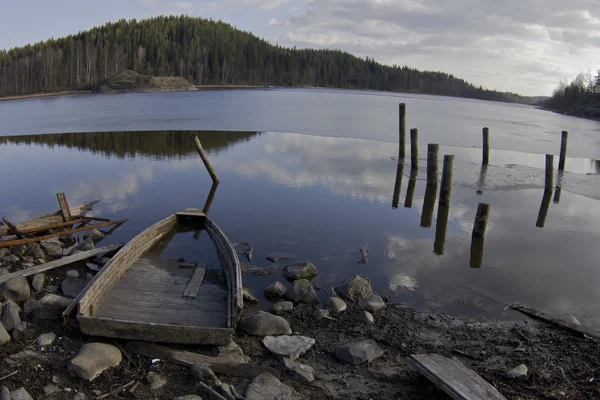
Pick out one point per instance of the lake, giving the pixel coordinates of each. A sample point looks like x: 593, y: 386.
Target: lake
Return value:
x: 313, y: 173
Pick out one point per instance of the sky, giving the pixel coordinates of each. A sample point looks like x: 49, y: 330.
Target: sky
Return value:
x: 522, y: 46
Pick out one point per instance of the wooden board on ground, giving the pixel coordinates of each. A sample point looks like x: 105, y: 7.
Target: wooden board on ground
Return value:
x: 552, y: 319
x: 454, y: 378
x: 193, y: 286
x: 49, y: 219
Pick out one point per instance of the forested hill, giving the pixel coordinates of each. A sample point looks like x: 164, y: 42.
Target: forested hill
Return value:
x: 207, y: 52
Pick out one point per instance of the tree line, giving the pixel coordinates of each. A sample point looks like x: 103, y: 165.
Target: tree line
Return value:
x: 580, y: 98
x: 207, y: 52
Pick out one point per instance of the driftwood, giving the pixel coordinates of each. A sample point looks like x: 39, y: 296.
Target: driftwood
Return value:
x: 557, y: 321
x: 60, y: 262
x: 64, y: 206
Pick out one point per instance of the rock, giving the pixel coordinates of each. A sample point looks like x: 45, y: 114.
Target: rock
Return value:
x: 188, y: 397
x: 258, y: 271
x: 275, y: 256
x: 282, y: 307
x: 267, y: 387
x: 12, y: 259
x: 297, y: 371
x: 24, y: 331
x: 92, y: 359
x: 372, y: 303
x: 358, y: 351
x: 35, y: 250
x: 302, y: 291
x: 26, y: 356
x: 52, y: 289
x: 366, y: 318
x: 320, y: 314
x: 50, y: 389
x: 19, y: 250
x: 4, y: 252
x: 53, y: 248
x: 73, y: 273
x: 27, y: 265
x: 232, y: 349
x: 336, y: 305
x: 20, y: 394
x: 16, y: 289
x: 264, y: 324
x: 51, y: 306
x: 4, y: 336
x: 79, y: 396
x: 83, y: 246
x: 275, y: 290
x: 71, y: 287
x: 10, y: 315
x: 288, y: 346
x: 517, y: 372
x: 573, y: 320
x: 38, y: 281
x: 356, y: 290
x: 46, y: 339
x: 67, y: 240
x: 249, y: 297
x: 95, y: 235
x: 300, y: 270
x: 4, y: 393
x: 93, y: 267
x: 3, y: 271
x: 30, y: 306
x: 155, y: 380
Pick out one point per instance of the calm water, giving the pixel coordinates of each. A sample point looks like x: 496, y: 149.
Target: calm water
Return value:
x: 325, y: 195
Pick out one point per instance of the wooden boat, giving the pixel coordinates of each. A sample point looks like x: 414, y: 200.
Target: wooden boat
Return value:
x: 140, y: 295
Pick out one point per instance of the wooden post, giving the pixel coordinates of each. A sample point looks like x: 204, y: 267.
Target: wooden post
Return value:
x: 563, y: 150
x: 432, y: 163
x: 481, y: 218
x: 428, y: 206
x: 541, y: 220
x: 410, y: 191
x: 549, y: 184
x: 402, y: 131
x: 486, y: 146
x: 398, y: 184
x: 414, y: 148
x: 440, y: 229
x: 64, y: 206
x: 205, y: 160
x: 446, y: 189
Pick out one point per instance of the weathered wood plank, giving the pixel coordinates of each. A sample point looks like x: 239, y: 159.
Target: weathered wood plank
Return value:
x: 64, y: 206
x: 167, y: 316
x: 191, y: 212
x: 192, y: 288
x: 61, y: 262
x: 49, y: 219
x: 552, y: 319
x: 454, y: 378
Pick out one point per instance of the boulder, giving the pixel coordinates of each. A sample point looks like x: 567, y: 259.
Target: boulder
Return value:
x: 320, y: 314
x: 297, y: 371
x: 355, y: 290
x: 288, y: 346
x: 519, y: 371
x: 275, y: 290
x: 264, y: 324
x: 276, y: 256
x: 86, y: 245
x: 71, y: 287
x: 366, y: 318
x: 51, y: 306
x: 155, y: 380
x: 336, y: 305
x: 267, y: 387
x: 20, y: 394
x: 53, y: 248
x: 4, y: 336
x: 95, y: 235
x: 300, y: 270
x: 282, y: 307
x: 372, y: 303
x: 17, y: 289
x: 249, y: 297
x: 359, y: 351
x: 38, y: 281
x: 93, y: 359
x: 35, y: 251
x: 10, y: 315
x: 46, y: 339
x: 30, y: 306
x: 302, y: 291
x: 24, y: 331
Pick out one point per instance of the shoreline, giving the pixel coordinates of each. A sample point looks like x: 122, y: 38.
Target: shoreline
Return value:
x: 45, y: 95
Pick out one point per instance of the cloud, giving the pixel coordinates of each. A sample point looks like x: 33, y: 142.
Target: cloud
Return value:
x: 182, y: 5
x: 265, y: 4
x: 276, y: 22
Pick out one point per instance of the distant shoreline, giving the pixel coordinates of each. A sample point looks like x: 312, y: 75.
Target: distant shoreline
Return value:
x: 45, y: 95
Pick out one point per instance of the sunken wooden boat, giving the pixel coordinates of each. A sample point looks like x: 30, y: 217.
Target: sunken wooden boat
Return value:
x: 142, y: 296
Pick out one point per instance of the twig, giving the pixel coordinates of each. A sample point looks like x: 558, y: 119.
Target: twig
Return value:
x: 211, y: 393
x: 9, y: 375
x: 31, y: 344
x: 125, y: 353
x: 116, y: 390
x: 134, y: 387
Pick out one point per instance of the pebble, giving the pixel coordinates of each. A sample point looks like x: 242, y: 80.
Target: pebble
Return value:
x: 264, y: 324
x: 276, y: 289
x: 79, y: 396
x: 232, y: 349
x: 366, y: 317
x: 51, y: 306
x: 24, y: 331
x: 93, y: 359
x: 52, y: 248
x: 249, y: 297
x: 298, y: 371
x: 355, y: 290
x: 372, y: 303
x: 46, y: 339
x: 93, y: 267
x: 517, y: 372
x: 20, y: 394
x: 4, y: 393
x: 73, y: 273
x: 302, y: 291
x: 94, y: 234
x: 24, y: 356
x: 267, y: 387
x: 50, y: 389
x: 10, y: 315
x: 19, y: 249
x: 38, y: 281
x: 35, y: 250
x: 83, y: 246
x: 288, y: 346
x: 300, y: 270
x: 336, y: 305
x: 16, y: 289
x: 155, y: 380
x: 282, y: 307
x: 358, y: 351
x: 275, y: 256
x: 321, y: 313
x: 4, y: 336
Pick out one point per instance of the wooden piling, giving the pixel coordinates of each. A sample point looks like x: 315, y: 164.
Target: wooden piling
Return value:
x: 402, y: 132
x: 205, y: 160
x: 563, y: 150
x: 432, y: 163
x: 398, y: 184
x: 541, y: 220
x: 549, y: 182
x: 414, y: 148
x: 446, y: 187
x: 410, y: 191
x: 486, y: 146
x: 428, y: 206
x: 481, y: 219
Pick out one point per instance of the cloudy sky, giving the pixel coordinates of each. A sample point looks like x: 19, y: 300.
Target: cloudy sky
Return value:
x: 525, y: 46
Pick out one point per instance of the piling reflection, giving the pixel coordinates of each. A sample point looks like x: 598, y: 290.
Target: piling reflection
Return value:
x: 398, y: 184
x: 440, y: 228
x: 541, y: 220
x: 482, y: 175
x: 410, y: 191
x: 476, y: 259
x: 428, y: 206
x: 558, y: 188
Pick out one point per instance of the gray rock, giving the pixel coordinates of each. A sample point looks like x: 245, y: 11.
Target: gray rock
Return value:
x: 86, y: 245
x: 46, y: 339
x: 4, y: 252
x: 30, y: 306
x: 517, y: 372
x: 38, y: 281
x: 275, y: 290
x: 4, y: 393
x: 20, y: 394
x: 93, y: 267
x: 50, y: 389
x: 73, y: 273
x: 24, y: 331
x: 359, y: 351
x: 26, y: 356
x: 52, y: 289
x: 300, y: 270
x: 276, y: 256
x: 4, y: 336
x: 93, y: 359
x: 188, y: 397
x: 51, y: 306
x: 267, y: 387
x: 95, y: 235
x: 282, y: 307
x: 71, y: 287
x: 12, y: 259
x: 17, y: 289
x: 67, y: 240
x: 3, y: 271
x: 336, y: 305
x: 155, y: 380
x: 302, y: 291
x: 366, y: 318
x: 372, y: 303
x: 297, y: 371
x: 19, y: 250
x: 288, y: 346
x: 355, y: 290
x: 264, y: 324
x: 320, y: 314
x: 79, y: 396
x: 258, y: 271
x: 232, y: 349
x: 10, y: 315
x: 53, y: 248
x: 249, y: 297
x: 573, y: 320
x: 35, y: 250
